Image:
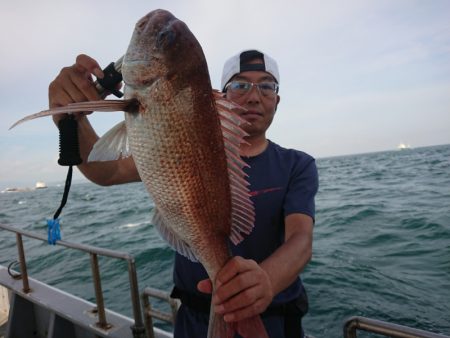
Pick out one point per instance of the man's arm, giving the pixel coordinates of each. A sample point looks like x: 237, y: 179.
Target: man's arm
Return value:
x: 286, y: 263
x: 245, y: 289
x: 75, y: 84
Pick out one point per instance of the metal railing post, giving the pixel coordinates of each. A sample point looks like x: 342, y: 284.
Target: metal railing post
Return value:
x: 165, y: 296
x: 98, y: 292
x: 23, y: 264
x: 138, y: 327
x: 147, y: 316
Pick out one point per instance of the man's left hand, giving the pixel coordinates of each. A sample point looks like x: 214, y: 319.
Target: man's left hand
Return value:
x: 243, y: 289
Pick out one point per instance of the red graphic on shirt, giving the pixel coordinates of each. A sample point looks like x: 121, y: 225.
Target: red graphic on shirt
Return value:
x: 263, y: 191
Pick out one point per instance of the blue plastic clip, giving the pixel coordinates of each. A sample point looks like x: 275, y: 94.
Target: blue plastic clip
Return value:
x: 53, y: 232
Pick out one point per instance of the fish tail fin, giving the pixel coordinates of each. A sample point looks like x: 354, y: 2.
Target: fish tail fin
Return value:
x: 218, y: 328
x: 252, y: 327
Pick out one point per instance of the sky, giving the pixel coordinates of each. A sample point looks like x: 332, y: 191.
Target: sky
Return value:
x: 356, y: 76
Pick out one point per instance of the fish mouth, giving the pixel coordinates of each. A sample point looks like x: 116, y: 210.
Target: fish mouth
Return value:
x: 147, y: 83
x: 135, y: 72
x: 156, y: 18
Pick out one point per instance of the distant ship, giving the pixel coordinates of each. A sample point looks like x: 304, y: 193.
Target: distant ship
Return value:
x: 403, y: 146
x: 40, y: 185
x: 15, y: 190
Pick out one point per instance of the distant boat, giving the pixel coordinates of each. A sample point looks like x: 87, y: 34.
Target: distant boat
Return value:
x: 40, y: 185
x: 15, y: 190
x: 403, y: 146
x: 11, y: 190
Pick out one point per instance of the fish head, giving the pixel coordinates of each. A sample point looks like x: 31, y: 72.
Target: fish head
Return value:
x: 162, y: 48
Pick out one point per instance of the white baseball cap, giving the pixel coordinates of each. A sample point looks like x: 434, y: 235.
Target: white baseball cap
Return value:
x: 239, y: 63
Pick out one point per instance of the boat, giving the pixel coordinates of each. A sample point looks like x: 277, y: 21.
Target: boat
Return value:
x: 36, y: 309
x: 403, y: 146
x: 15, y: 190
x: 40, y: 185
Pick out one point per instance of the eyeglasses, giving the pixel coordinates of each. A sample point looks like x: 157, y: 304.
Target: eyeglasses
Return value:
x: 241, y: 88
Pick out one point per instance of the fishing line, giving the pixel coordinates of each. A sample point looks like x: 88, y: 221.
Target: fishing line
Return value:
x: 69, y: 147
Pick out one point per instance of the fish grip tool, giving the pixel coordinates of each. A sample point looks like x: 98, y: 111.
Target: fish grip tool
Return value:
x: 111, y: 79
x: 69, y: 149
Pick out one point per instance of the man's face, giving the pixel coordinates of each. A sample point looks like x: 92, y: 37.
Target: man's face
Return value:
x: 260, y: 108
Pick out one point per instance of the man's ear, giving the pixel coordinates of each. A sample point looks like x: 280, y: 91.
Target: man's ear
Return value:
x: 278, y: 101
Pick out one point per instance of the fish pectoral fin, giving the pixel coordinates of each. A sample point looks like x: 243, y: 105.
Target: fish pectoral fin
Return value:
x: 88, y: 106
x: 170, y: 237
x: 111, y: 146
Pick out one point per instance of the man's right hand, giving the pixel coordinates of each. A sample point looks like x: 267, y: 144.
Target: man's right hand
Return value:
x: 75, y: 84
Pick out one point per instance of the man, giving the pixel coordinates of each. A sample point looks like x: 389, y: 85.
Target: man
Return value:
x: 263, y: 276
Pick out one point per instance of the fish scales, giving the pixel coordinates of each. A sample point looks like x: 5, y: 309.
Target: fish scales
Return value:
x: 178, y: 149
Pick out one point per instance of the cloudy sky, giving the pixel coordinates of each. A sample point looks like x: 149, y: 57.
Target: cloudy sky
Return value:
x: 356, y: 75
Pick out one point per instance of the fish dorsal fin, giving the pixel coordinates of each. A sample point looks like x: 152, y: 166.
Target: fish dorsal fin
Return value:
x: 243, y: 212
x: 112, y: 145
x: 170, y: 237
x: 103, y: 105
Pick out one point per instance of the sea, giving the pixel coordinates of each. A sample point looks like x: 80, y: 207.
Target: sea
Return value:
x: 381, y: 241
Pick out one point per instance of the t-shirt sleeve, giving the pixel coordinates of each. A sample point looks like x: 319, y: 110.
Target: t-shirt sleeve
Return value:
x: 302, y: 189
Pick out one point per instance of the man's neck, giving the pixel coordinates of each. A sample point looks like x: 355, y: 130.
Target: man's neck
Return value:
x: 255, y: 146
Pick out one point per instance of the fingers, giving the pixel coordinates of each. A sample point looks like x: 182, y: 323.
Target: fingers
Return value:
x: 205, y: 286
x: 246, y: 312
x: 235, y: 266
x: 247, y: 302
x: 243, y: 290
x: 74, y: 83
x: 86, y: 63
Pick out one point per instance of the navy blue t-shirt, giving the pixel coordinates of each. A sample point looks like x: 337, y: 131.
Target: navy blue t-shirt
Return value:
x: 282, y: 182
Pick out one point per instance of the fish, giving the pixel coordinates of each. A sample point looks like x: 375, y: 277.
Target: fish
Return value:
x: 184, y: 138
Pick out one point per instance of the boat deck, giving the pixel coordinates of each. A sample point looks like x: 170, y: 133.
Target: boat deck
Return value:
x: 37, y: 309
x: 45, y: 311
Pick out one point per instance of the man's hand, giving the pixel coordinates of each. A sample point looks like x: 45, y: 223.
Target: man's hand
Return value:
x: 75, y: 84
x: 243, y: 289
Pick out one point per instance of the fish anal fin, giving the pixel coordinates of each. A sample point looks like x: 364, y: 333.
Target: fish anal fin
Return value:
x: 171, y: 238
